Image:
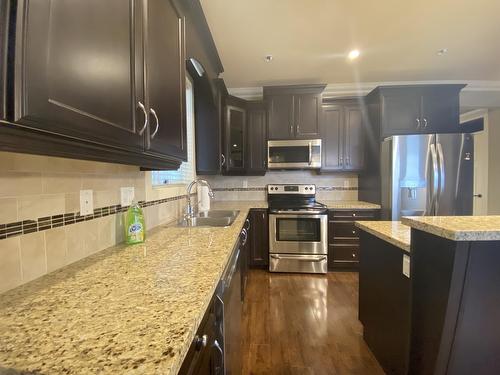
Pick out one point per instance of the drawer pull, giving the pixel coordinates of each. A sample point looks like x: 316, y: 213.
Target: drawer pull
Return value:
x: 353, y: 232
x: 354, y: 215
x: 354, y: 255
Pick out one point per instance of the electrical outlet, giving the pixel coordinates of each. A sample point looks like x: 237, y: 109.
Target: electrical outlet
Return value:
x: 127, y: 196
x: 86, y: 202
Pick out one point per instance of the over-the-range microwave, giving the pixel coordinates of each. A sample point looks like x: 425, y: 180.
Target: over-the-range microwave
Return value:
x: 294, y: 154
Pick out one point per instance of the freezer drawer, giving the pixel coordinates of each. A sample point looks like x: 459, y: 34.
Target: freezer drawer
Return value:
x: 298, y: 263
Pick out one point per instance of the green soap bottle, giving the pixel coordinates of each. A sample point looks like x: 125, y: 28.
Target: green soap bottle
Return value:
x: 135, y: 230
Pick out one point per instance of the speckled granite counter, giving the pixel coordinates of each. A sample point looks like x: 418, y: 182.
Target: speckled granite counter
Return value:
x: 458, y: 228
x: 350, y: 205
x: 393, y: 232
x: 125, y: 310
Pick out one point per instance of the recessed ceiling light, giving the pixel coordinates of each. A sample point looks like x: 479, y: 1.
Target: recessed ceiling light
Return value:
x: 354, y: 54
x: 268, y: 58
x: 442, y: 51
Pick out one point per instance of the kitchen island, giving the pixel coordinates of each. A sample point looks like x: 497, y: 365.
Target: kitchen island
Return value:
x: 451, y: 313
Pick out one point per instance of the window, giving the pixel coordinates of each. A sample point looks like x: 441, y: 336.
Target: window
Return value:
x: 186, y: 172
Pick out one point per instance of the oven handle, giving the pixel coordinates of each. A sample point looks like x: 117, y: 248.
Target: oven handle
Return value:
x: 301, y: 258
x: 280, y: 212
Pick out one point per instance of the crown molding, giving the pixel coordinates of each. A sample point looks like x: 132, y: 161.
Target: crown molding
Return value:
x: 347, y: 90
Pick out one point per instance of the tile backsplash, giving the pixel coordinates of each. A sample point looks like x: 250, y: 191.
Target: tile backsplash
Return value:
x: 39, y: 204
x: 329, y: 187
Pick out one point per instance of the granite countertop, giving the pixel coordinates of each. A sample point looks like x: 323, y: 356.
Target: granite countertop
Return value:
x: 350, y: 205
x: 127, y: 309
x: 393, y: 232
x: 458, y: 228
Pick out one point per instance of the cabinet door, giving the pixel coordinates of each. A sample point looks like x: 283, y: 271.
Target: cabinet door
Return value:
x: 256, y: 133
x: 441, y: 110
x: 259, y: 238
x: 77, y: 71
x: 166, y: 79
x: 354, y: 142
x: 401, y: 111
x: 332, y: 133
x: 281, y: 124
x: 307, y: 112
x: 235, y: 138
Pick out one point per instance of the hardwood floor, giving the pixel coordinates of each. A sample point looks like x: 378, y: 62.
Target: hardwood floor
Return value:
x: 304, y: 324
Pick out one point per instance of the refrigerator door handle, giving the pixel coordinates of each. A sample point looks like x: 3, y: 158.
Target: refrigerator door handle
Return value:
x: 435, y: 179
x: 442, y: 175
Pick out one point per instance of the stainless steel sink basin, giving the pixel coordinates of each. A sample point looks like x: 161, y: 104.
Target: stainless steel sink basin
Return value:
x: 212, y: 218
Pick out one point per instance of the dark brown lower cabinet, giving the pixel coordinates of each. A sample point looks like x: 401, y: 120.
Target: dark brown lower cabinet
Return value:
x: 258, y: 244
x: 384, y: 303
x: 343, y: 237
x: 203, y: 357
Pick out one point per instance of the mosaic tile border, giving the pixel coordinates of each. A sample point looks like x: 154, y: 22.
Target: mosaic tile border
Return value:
x: 44, y: 223
x: 319, y: 188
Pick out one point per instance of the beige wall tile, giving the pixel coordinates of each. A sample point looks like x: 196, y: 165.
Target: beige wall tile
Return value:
x: 15, y: 184
x: 10, y: 264
x: 106, y: 232
x: 35, y: 206
x: 75, y: 237
x: 72, y: 202
x: 8, y: 210
x: 96, y: 182
x: 119, y: 228
x: 54, y: 183
x: 33, y: 259
x: 56, y: 248
x: 91, y: 240
x: 106, y: 198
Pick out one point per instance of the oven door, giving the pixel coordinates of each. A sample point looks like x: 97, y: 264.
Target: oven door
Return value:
x: 294, y: 154
x: 298, y: 234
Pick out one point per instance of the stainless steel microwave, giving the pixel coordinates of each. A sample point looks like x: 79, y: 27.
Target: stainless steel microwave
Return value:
x: 294, y: 154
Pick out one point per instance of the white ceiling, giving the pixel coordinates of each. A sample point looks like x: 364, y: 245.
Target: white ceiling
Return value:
x: 398, y: 40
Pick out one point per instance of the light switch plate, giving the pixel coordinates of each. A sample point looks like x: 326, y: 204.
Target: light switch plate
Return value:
x: 127, y: 196
x: 406, y: 266
x: 86, y: 202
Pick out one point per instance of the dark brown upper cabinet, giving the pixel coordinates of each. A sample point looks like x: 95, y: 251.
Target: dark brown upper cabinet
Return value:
x: 165, y: 87
x: 343, y: 136
x: 77, y: 72
x: 416, y: 109
x: 294, y: 111
x: 244, y: 137
x: 256, y: 160
x: 235, y: 136
x: 100, y: 75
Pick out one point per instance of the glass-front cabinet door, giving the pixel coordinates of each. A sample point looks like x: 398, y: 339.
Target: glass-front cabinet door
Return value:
x: 235, y: 138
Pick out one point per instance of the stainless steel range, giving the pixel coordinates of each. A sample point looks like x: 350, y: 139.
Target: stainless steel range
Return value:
x: 298, y: 225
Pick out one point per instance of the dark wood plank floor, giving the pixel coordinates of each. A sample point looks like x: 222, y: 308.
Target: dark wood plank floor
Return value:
x: 304, y: 324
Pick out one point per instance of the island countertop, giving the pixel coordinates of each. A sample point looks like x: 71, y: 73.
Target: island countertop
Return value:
x: 458, y: 228
x: 393, y: 232
x: 127, y: 309
x: 349, y: 205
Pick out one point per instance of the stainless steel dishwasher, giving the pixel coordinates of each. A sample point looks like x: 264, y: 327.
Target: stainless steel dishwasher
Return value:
x: 228, y: 309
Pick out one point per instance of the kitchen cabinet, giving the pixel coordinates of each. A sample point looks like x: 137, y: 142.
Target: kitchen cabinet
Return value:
x: 244, y: 138
x: 259, y: 238
x: 100, y: 80
x: 416, y: 109
x: 256, y: 157
x: 384, y: 303
x: 165, y: 87
x: 234, y: 136
x: 294, y: 111
x: 203, y: 357
x: 343, y: 136
x: 343, y: 237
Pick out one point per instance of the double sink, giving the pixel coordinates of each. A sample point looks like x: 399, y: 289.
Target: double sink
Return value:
x: 211, y: 218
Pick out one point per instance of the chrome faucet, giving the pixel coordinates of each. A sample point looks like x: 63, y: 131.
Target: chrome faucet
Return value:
x: 190, y: 209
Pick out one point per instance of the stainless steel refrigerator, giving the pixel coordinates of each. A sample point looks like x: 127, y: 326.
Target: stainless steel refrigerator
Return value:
x: 427, y: 175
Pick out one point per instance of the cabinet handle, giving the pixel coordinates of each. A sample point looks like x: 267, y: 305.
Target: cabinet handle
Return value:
x: 141, y: 106
x: 223, y: 160
x: 244, y: 234
x: 354, y: 215
x: 353, y: 232
x: 425, y: 123
x: 247, y: 222
x: 354, y: 255
x: 418, y: 123
x: 201, y: 342
x: 347, y: 160
x: 310, y: 152
x: 157, y: 122
x: 291, y: 129
x: 341, y: 160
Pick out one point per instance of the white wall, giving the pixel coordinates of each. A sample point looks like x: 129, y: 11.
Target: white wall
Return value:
x: 494, y: 163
